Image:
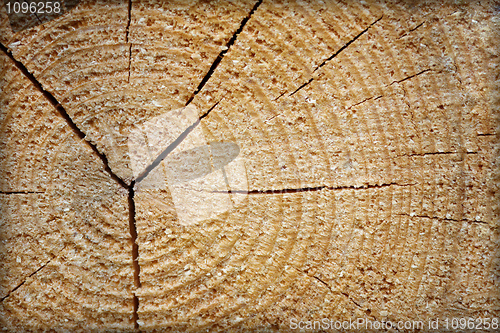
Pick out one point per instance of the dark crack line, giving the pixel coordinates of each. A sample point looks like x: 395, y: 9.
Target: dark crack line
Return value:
x: 443, y: 218
x: 131, y: 203
x: 486, y: 134
x: 412, y: 76
x: 281, y: 95
x: 172, y: 146
x: 441, y: 153
x: 347, y: 44
x: 22, y: 283
x: 352, y: 300
x: 129, y: 61
x: 81, y: 135
x: 330, y: 288
x: 135, y: 252
x: 310, y: 189
x: 365, y: 100
x: 323, y: 282
x: 127, y: 29
x: 413, y: 29
x: 399, y: 81
x: 21, y: 192
x: 299, y: 88
x: 223, y: 53
x: 38, y: 18
x: 64, y: 114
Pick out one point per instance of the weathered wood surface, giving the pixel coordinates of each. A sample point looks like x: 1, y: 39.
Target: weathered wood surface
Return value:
x: 225, y: 166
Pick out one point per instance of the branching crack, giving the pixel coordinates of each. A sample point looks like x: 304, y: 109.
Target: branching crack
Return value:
x: 81, y: 135
x: 310, y: 189
x: 443, y: 218
x: 223, y: 52
x: 22, y: 283
x: 64, y: 114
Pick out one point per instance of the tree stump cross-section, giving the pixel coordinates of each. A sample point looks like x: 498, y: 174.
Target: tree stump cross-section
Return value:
x: 250, y: 166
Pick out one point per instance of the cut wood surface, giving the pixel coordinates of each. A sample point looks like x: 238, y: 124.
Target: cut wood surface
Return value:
x: 235, y: 166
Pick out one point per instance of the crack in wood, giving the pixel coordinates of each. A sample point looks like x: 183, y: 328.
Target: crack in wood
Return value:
x: 413, y: 29
x: 346, y: 295
x: 135, y: 252
x: 281, y: 95
x: 347, y: 44
x: 412, y: 76
x: 63, y: 113
x: 365, y: 100
x: 299, y: 88
x: 221, y: 55
x: 311, y: 189
x: 173, y: 145
x: 33, y: 273
x: 440, y: 153
x: 127, y: 29
x: 129, y: 61
x: 38, y: 18
x: 82, y: 136
x: 443, y: 218
x: 331, y: 290
x: 334, y: 55
x: 21, y: 192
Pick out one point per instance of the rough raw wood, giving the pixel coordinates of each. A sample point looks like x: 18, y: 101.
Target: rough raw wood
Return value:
x: 229, y: 166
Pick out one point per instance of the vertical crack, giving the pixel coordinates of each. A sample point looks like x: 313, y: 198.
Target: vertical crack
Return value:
x: 127, y: 29
x: 131, y: 202
x: 223, y: 52
x: 135, y: 252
